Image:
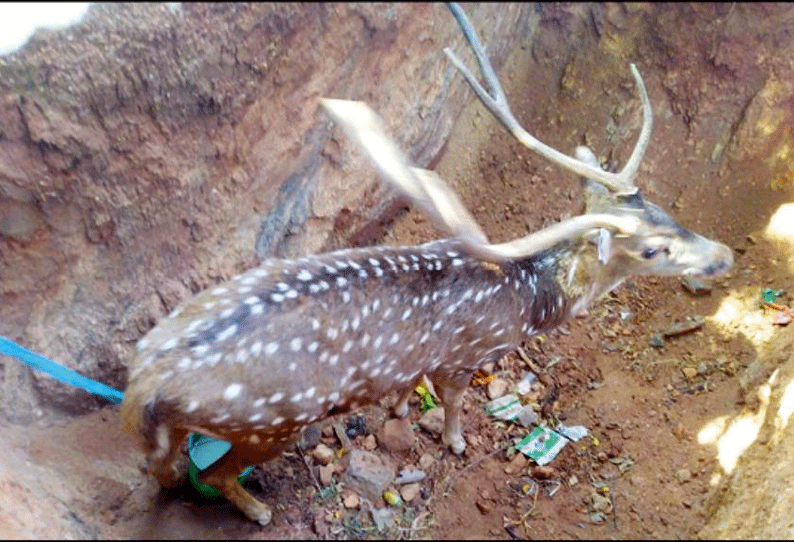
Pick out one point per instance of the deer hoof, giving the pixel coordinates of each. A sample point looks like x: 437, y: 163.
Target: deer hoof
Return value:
x: 261, y: 514
x: 401, y: 410
x: 455, y: 443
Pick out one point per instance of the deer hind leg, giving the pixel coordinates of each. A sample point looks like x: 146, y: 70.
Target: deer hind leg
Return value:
x: 223, y: 474
x: 451, y: 389
x: 401, y: 407
x: 162, y: 446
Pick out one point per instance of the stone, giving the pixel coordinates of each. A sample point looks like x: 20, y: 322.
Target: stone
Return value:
x: 326, y: 474
x: 496, y: 388
x: 323, y: 454
x: 368, y: 474
x: 426, y: 461
x: 397, y: 435
x: 350, y: 499
x: 516, y: 464
x: 432, y: 421
x: 369, y: 443
x: 409, y: 491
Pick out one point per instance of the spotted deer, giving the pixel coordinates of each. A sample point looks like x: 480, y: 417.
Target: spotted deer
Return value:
x: 290, y: 342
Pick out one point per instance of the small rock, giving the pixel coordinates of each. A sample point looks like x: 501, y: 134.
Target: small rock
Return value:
x: 497, y: 387
x: 516, y: 464
x: 368, y: 474
x: 695, y: 287
x: 483, y: 507
x: 689, y: 372
x: 703, y: 369
x: 573, y: 480
x: 384, y: 518
x: 409, y: 492
x: 681, y: 328
x: 409, y: 475
x: 600, y: 503
x: 679, y: 431
x: 320, y: 527
x: 683, y: 475
x: 542, y: 472
x: 323, y: 454
x: 350, y: 499
x: 657, y: 341
x: 310, y: 436
x: 426, y: 461
x: 326, y: 474
x: 369, y: 443
x: 397, y: 435
x: 432, y: 421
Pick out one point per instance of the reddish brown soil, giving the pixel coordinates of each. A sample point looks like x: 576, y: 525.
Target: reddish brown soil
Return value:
x: 643, y: 458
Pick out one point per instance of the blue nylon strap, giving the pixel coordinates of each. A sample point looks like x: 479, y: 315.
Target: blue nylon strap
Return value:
x: 59, y: 372
x: 212, y: 449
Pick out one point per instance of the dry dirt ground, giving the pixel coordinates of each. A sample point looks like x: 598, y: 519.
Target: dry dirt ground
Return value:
x: 667, y: 423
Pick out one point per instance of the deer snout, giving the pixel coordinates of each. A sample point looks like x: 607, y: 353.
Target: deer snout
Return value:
x: 721, y: 261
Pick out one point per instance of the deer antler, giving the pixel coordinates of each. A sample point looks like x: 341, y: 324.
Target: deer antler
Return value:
x: 428, y: 191
x: 621, y: 183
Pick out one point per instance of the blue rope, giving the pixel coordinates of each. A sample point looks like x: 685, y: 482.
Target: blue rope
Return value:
x: 59, y: 372
x: 213, y: 448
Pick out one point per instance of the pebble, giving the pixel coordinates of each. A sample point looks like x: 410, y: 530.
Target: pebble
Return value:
x: 516, y: 464
x: 695, y: 287
x: 497, y: 388
x: 542, y: 472
x: 350, y: 499
x: 326, y: 474
x: 600, y: 503
x: 689, y: 372
x: 397, y: 435
x: 369, y: 443
x: 432, y: 421
x: 409, y: 475
x: 426, y: 461
x: 483, y: 507
x: 683, y: 475
x: 367, y: 473
x: 409, y: 492
x: 323, y: 454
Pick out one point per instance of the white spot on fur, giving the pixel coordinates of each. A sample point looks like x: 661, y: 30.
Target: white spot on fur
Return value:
x: 228, y: 332
x: 232, y: 391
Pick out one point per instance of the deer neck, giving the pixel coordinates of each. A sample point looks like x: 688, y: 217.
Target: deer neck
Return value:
x: 580, y: 276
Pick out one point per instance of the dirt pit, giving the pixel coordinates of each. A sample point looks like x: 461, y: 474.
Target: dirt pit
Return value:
x: 688, y: 433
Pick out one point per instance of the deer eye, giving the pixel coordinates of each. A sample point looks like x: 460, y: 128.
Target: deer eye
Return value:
x: 649, y: 253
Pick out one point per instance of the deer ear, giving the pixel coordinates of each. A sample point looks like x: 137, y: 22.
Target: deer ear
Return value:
x: 604, y: 243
